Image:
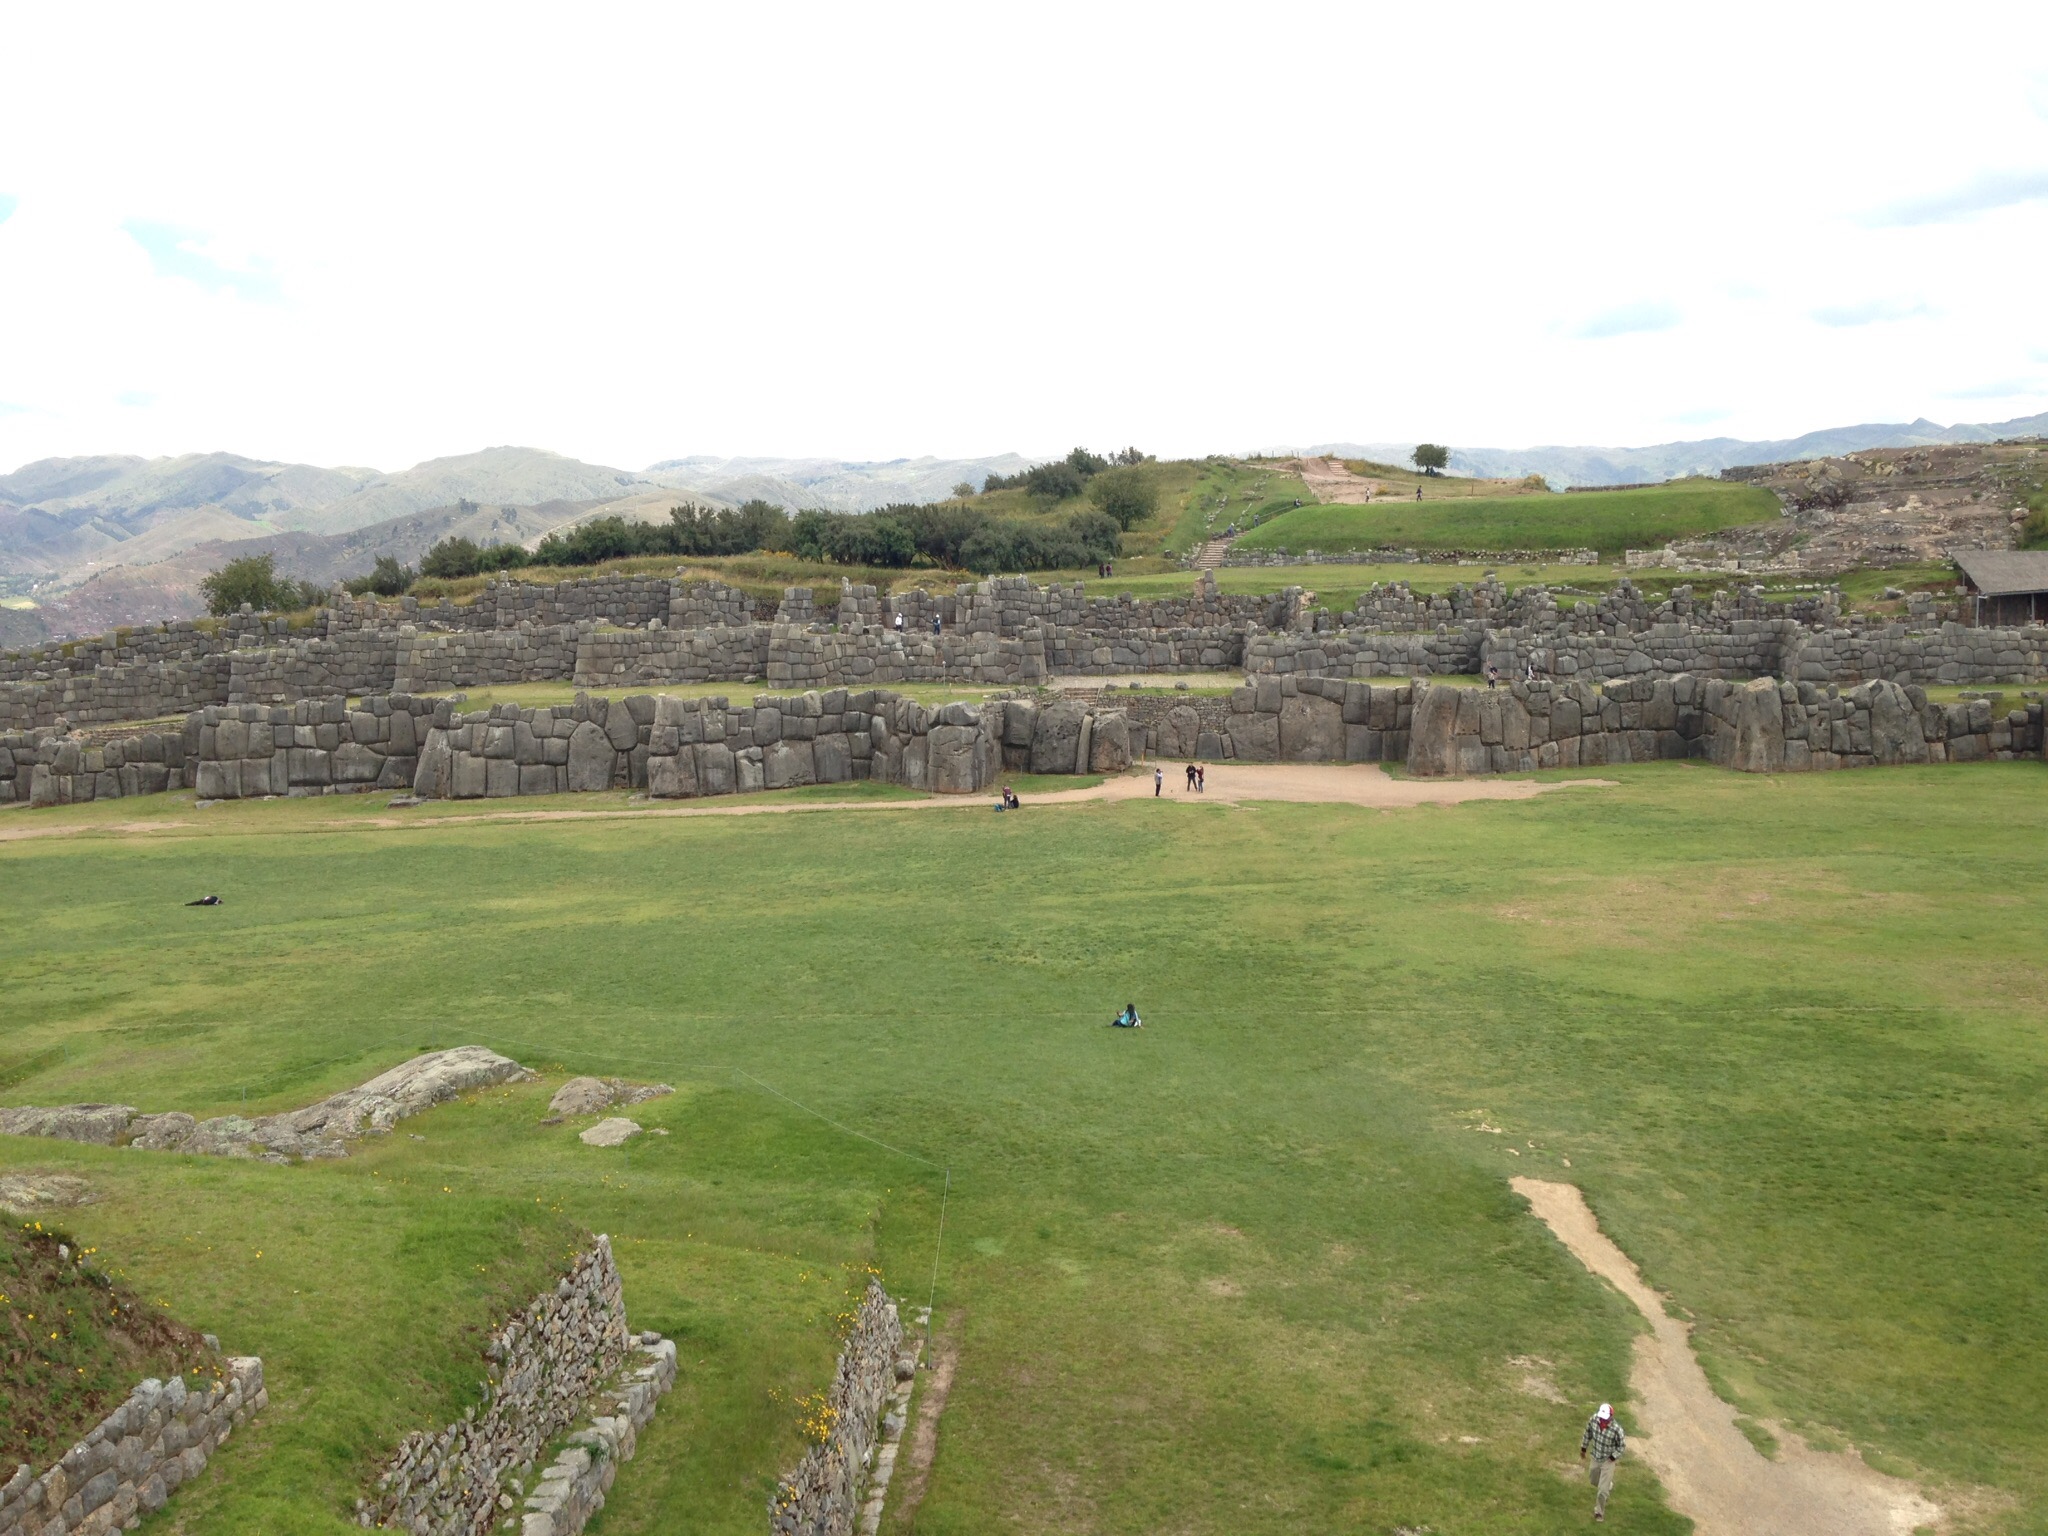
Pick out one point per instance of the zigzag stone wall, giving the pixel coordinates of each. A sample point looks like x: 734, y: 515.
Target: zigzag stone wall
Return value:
x: 568, y: 1350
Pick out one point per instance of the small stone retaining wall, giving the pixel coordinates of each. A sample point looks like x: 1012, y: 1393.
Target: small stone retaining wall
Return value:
x: 545, y: 1365
x: 821, y: 1497
x: 136, y: 1457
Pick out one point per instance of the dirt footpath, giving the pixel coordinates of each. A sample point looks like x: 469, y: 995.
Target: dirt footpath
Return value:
x: 1710, y: 1470
x: 1332, y: 482
x: 1229, y: 784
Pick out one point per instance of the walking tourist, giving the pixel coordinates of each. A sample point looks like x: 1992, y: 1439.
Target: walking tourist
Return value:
x: 1201, y: 778
x: 1492, y: 675
x: 1191, y: 778
x: 1603, y: 1437
x: 899, y: 621
x: 1158, y: 782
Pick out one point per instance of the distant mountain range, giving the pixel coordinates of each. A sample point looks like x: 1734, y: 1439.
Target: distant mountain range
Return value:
x: 1563, y: 466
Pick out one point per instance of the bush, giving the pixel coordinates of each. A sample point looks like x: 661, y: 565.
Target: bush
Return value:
x: 1125, y: 494
x: 1010, y: 544
x: 464, y: 557
x: 253, y: 579
x: 387, y: 578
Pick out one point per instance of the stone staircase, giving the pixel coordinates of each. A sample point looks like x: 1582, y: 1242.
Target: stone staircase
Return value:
x: 1210, y: 556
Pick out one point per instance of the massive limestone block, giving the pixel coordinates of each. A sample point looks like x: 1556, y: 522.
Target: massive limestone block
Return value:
x: 1020, y: 722
x: 591, y: 759
x: 1180, y: 733
x: 1109, y: 749
x: 1759, y: 728
x: 715, y: 770
x: 434, y: 778
x: 1056, y: 737
x: 957, y: 759
x: 1896, y: 732
x: 1432, y: 749
x: 787, y: 764
x: 1311, y: 730
x: 1255, y: 737
x: 832, y: 755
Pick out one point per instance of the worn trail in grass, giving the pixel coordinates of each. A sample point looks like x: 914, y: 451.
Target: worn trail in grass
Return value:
x: 1253, y: 1268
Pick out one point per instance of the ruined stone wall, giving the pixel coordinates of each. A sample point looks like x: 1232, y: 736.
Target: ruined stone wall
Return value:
x: 1950, y: 653
x: 821, y: 1496
x: 49, y: 767
x: 428, y: 662
x: 136, y: 1457
x: 352, y: 662
x: 1763, y: 726
x: 545, y: 1365
x: 311, y: 747
x: 1445, y: 652
x: 708, y: 605
x: 684, y: 748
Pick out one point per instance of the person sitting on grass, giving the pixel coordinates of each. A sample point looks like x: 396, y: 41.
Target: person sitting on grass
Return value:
x: 1010, y: 800
x: 1128, y: 1019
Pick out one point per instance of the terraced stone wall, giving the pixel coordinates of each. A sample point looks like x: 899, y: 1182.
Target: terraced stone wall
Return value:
x: 135, y: 1458
x: 545, y: 1366
x: 821, y: 1495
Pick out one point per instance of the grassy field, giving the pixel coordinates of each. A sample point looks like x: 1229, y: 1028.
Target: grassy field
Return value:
x: 1251, y: 1269
x: 1609, y: 521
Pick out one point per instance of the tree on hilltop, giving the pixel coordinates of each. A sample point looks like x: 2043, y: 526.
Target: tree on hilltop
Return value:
x: 1126, y: 494
x: 1431, y: 458
x: 253, y: 579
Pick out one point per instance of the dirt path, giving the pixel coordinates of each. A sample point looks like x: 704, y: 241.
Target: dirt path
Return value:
x: 924, y: 1436
x: 1711, y: 1472
x: 1332, y: 482
x: 1229, y: 784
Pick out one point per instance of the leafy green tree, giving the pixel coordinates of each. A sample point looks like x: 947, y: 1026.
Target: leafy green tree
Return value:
x: 1431, y: 458
x: 1084, y: 463
x: 387, y: 578
x: 1126, y: 494
x: 1057, y: 481
x: 252, y: 579
x: 452, y: 558
x: 963, y: 490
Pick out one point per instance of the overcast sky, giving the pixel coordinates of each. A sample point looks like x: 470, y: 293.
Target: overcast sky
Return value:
x: 372, y: 235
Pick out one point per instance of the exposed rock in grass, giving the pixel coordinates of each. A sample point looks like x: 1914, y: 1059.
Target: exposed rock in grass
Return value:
x: 318, y: 1130
x: 613, y: 1132
x: 31, y: 1194
x: 592, y: 1095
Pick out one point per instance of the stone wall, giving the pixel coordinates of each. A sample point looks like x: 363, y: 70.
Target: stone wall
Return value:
x: 545, y: 1365
x: 429, y: 662
x: 1763, y: 726
x: 135, y: 1458
x: 821, y: 1497
x: 312, y: 747
x: 49, y: 767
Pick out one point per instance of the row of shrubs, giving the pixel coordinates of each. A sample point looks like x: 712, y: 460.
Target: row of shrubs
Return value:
x: 952, y: 535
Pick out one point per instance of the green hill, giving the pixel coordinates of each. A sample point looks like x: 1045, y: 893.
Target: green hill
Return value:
x: 1609, y: 521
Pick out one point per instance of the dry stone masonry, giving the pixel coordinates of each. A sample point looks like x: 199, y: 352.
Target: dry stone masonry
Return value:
x: 339, y: 705
x: 135, y: 1458
x: 567, y: 1354
x: 822, y: 1496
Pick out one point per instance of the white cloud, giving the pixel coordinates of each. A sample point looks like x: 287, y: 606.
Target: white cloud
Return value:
x: 1868, y: 312
x: 633, y: 233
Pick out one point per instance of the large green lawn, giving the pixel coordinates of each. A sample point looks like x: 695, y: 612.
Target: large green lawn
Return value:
x: 1609, y: 521
x: 1251, y: 1269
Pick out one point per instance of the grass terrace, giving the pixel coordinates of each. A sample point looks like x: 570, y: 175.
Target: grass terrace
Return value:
x: 1255, y: 1268
x: 1608, y: 521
